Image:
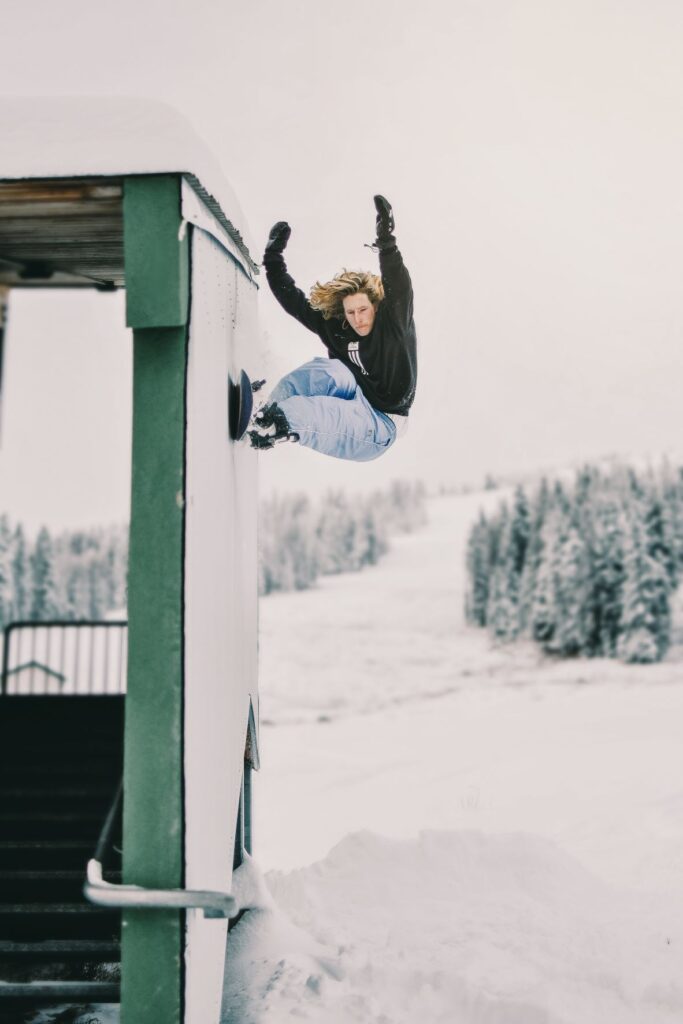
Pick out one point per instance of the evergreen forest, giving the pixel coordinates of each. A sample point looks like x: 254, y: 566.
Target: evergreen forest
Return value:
x: 72, y: 575
x: 300, y: 541
x: 583, y: 568
x: 81, y: 575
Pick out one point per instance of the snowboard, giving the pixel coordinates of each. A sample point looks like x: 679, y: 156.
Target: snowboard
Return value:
x: 241, y: 403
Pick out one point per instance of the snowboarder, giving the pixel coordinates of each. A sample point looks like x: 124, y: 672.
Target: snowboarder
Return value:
x: 353, y: 404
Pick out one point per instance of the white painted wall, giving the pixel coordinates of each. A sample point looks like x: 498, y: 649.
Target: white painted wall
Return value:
x: 220, y: 601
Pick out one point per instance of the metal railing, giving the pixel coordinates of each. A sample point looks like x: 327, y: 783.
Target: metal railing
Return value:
x: 110, y: 894
x: 64, y: 657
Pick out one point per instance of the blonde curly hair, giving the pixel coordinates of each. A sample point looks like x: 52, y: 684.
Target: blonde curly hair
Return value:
x: 329, y: 298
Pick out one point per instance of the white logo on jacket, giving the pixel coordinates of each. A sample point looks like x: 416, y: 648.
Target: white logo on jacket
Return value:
x: 354, y: 356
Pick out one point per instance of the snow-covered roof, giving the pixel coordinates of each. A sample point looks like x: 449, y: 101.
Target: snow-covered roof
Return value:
x: 43, y: 137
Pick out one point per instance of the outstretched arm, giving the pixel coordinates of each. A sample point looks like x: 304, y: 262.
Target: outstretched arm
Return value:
x: 398, y: 288
x: 282, y: 285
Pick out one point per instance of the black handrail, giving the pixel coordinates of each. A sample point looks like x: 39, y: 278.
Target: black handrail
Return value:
x: 104, y: 841
x: 113, y: 680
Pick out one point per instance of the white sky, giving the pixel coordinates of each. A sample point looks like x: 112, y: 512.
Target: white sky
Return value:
x: 533, y: 153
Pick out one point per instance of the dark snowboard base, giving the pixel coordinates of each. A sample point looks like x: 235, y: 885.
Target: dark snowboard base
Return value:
x: 241, y: 404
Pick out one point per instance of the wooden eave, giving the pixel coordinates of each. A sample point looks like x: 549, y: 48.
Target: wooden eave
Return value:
x: 62, y: 232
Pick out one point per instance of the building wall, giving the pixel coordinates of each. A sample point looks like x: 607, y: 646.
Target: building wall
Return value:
x: 220, y: 601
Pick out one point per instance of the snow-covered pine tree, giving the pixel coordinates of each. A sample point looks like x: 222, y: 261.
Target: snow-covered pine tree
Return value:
x: 20, y: 574
x: 559, y: 602
x: 672, y: 497
x: 606, y: 577
x: 359, y: 539
x: 43, y: 601
x: 571, y: 579
x: 543, y: 617
x: 76, y: 600
x: 560, y: 499
x: 116, y: 559
x: 571, y: 585
x: 660, y: 542
x: 585, y: 486
x: 538, y: 509
x: 520, y: 538
x: 335, y: 532
x: 288, y: 548
x: 477, y: 585
x: 6, y: 580
x: 498, y: 525
x: 538, y: 513
x: 527, y: 586
x: 299, y: 539
x: 97, y: 588
x: 636, y: 487
x: 645, y: 627
x: 267, y: 543
x: 404, y: 506
x: 285, y: 561
x: 520, y: 530
x: 582, y: 518
x: 373, y: 533
x: 677, y: 501
x: 502, y: 613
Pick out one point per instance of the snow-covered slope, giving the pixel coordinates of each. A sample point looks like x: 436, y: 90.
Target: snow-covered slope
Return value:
x: 506, y: 831
x: 396, y: 633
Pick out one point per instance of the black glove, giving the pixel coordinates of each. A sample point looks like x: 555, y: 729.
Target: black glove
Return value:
x: 278, y: 238
x: 385, y: 223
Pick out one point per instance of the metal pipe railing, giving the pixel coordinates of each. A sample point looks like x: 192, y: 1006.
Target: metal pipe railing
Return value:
x: 110, y: 894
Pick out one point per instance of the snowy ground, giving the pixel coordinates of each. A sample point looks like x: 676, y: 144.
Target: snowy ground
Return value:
x: 454, y: 832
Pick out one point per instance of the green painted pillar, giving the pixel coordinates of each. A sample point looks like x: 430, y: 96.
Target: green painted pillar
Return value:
x: 157, y: 287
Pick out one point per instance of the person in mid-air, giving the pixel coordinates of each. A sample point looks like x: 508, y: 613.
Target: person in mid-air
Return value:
x: 355, y: 403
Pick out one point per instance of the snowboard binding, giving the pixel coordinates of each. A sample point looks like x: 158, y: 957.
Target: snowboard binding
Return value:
x: 270, y: 428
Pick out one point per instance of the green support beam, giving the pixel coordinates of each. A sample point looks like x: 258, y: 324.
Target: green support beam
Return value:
x: 156, y: 261
x: 157, y: 283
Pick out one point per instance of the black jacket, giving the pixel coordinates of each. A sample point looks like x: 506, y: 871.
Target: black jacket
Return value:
x: 386, y: 366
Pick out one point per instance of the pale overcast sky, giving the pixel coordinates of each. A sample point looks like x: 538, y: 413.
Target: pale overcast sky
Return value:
x: 533, y: 151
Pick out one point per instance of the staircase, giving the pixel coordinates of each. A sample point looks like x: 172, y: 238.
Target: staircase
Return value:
x: 61, y: 760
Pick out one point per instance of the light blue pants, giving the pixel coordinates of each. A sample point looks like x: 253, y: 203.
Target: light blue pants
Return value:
x: 326, y: 408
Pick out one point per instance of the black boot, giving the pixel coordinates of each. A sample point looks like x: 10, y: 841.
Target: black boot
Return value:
x: 271, y: 427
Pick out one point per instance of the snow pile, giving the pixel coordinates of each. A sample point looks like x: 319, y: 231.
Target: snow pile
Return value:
x: 456, y: 927
x: 68, y: 1013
